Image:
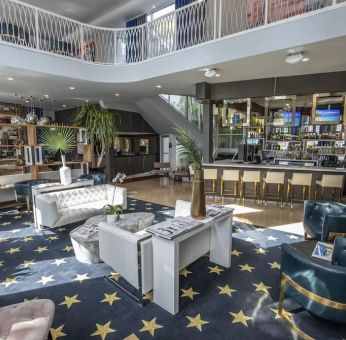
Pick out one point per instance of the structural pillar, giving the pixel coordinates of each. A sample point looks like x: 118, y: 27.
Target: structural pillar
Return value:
x: 208, y: 130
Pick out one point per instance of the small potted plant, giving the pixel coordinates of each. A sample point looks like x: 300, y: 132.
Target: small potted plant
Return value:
x: 112, y: 212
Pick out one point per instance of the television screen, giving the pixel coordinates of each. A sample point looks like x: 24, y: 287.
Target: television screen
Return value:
x: 286, y: 118
x: 328, y: 115
x: 298, y: 118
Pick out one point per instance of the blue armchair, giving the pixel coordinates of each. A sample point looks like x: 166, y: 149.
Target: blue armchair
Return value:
x: 317, y: 287
x: 324, y: 220
x: 339, y: 253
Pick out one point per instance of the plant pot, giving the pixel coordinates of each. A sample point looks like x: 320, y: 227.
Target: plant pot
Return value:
x: 110, y: 218
x: 65, y: 172
x: 198, y: 210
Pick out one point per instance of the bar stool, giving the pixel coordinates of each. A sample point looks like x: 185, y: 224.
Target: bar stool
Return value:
x: 210, y: 175
x: 231, y: 176
x: 277, y: 178
x: 250, y: 177
x: 331, y: 182
x: 299, y: 179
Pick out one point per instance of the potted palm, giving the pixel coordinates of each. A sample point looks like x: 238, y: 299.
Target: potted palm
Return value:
x: 100, y: 128
x: 112, y: 212
x: 189, y: 149
x: 61, y: 140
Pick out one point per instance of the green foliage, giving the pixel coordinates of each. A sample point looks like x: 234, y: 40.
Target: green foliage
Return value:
x: 188, y: 148
x: 58, y: 139
x: 110, y: 209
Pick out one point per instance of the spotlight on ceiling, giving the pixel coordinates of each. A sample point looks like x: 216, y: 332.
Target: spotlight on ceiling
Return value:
x: 10, y: 78
x: 117, y: 94
x: 210, y: 73
x: 296, y: 58
x: 71, y: 87
x: 158, y: 86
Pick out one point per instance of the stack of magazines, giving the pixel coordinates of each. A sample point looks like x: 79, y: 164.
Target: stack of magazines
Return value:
x: 174, y: 227
x: 323, y: 251
x: 216, y: 210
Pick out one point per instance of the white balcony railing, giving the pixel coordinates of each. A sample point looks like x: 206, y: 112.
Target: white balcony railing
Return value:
x: 199, y: 22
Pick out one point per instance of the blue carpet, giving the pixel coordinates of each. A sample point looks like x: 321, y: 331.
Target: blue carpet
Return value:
x: 216, y: 303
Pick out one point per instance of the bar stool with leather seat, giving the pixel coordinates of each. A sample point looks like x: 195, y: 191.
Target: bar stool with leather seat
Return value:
x: 210, y: 175
x: 299, y: 180
x: 231, y: 177
x: 273, y: 178
x: 250, y: 177
x: 329, y: 182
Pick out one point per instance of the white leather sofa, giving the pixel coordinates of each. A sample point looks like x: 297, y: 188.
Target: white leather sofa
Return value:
x: 64, y: 207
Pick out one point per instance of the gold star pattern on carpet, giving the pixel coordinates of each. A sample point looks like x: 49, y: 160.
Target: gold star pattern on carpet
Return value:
x: 132, y: 336
x: 110, y: 298
x: 81, y: 277
x: 226, y: 290
x: 150, y: 326
x: 235, y: 252
x: 13, y: 250
x: 148, y: 296
x: 261, y: 251
x: 2, y: 239
x: 27, y: 239
x: 5, y: 223
x: 240, y: 318
x: 9, y: 281
x: 114, y: 276
x: 41, y: 249
x: 215, y: 270
x: 190, y: 293
x: 27, y: 263
x: 69, y: 301
x: 238, y: 230
x: 1, y: 263
x: 246, y: 267
x: 61, y: 229
x: 57, y: 332
x: 68, y: 248
x: 185, y: 272
x: 284, y: 312
x: 274, y: 265
x: 53, y: 238
x: 103, y: 330
x: 261, y: 287
x: 27, y: 223
x: 196, y: 322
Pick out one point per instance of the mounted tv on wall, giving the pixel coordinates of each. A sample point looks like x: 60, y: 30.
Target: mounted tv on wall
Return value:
x: 328, y: 116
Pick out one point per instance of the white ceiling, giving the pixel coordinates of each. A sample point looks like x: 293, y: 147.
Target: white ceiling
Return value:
x: 108, y: 13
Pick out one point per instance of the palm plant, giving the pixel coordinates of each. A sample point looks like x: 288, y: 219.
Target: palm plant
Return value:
x: 100, y: 127
x: 188, y: 148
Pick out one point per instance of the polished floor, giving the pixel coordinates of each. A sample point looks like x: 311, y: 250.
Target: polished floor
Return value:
x: 163, y: 191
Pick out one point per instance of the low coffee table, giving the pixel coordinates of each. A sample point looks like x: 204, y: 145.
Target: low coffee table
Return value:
x: 85, y: 238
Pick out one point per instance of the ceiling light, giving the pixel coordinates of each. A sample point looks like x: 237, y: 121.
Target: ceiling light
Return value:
x: 294, y: 58
x: 10, y: 78
x: 71, y: 88
x: 305, y: 59
x: 158, y: 86
x: 217, y: 75
x: 63, y: 105
x: 210, y: 73
x: 46, y: 96
x: 117, y: 94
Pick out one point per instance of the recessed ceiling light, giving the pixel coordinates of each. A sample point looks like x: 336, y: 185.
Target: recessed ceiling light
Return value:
x: 63, y: 105
x: 217, y: 75
x: 10, y: 78
x: 210, y: 73
x: 71, y: 88
x: 294, y: 58
x: 46, y: 96
x: 305, y: 59
x: 158, y: 86
x: 27, y: 101
x: 117, y: 94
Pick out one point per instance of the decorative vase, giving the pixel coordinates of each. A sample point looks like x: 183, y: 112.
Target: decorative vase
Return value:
x: 110, y: 218
x: 65, y: 172
x: 198, y: 210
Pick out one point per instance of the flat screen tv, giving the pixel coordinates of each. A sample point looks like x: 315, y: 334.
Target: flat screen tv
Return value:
x: 286, y: 118
x: 328, y: 116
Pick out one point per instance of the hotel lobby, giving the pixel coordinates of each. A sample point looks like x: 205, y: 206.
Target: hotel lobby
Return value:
x: 172, y: 169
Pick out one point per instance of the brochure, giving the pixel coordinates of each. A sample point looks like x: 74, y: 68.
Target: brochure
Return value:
x: 217, y: 210
x: 323, y: 251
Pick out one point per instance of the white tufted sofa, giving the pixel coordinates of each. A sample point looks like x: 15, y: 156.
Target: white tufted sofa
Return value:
x: 64, y: 207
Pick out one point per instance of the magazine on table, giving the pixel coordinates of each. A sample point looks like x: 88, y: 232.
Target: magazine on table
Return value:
x: 174, y: 227
x: 216, y: 210
x: 323, y: 251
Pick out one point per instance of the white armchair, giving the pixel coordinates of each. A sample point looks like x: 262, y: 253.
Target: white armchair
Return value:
x: 129, y: 254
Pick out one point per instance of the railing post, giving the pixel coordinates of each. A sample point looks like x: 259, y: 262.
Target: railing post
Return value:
x: 266, y: 11
x: 81, y: 44
x: 220, y: 19
x: 143, y: 27
x: 115, y: 46
x: 334, y: 3
x: 37, y: 32
x: 215, y: 19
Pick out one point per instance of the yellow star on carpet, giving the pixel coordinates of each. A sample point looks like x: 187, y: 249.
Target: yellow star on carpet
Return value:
x: 57, y: 332
x: 9, y: 281
x: 52, y: 238
x: 185, y: 272
x: 27, y: 239
x: 150, y: 326
x: 188, y: 293
x: 61, y: 229
x: 261, y: 251
x: 17, y: 217
x: 261, y: 287
x: 69, y: 301
x: 2, y: 239
x: 284, y: 312
x: 235, y: 252
x: 27, y: 223
x: 246, y: 267
x: 240, y: 318
x: 238, y: 230
x: 68, y: 248
x: 114, y: 276
x: 226, y: 290
x: 27, y: 263
x: 1, y: 263
x: 103, y: 330
x: 110, y: 298
x: 13, y: 250
x: 196, y: 322
x: 274, y: 265
x: 132, y: 336
x: 148, y: 296
x: 5, y: 223
x: 41, y: 249
x: 215, y: 270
